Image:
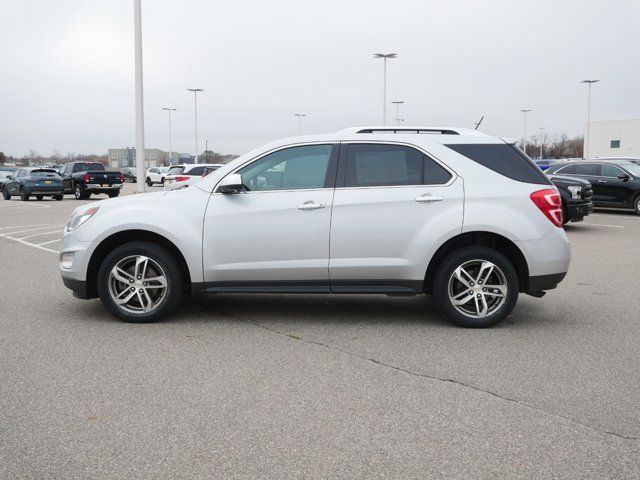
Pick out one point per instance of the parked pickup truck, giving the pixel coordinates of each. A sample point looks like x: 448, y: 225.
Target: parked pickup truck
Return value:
x: 576, y: 196
x: 84, y: 178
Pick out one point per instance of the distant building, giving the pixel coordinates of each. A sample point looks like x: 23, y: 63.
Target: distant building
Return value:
x: 614, y: 138
x: 154, y: 157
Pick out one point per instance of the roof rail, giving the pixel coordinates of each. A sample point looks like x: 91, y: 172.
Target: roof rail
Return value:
x: 414, y: 130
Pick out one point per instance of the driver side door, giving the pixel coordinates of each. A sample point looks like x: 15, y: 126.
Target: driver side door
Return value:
x: 274, y: 235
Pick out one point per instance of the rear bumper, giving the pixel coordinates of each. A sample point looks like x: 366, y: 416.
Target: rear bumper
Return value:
x: 541, y: 283
x: 96, y: 186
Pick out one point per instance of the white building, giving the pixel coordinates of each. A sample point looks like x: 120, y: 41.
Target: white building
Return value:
x: 126, y: 157
x: 613, y: 138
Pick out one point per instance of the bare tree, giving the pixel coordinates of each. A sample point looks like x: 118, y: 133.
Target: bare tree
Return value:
x: 3, y: 158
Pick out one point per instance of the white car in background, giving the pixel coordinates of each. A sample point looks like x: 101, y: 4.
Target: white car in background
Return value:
x: 181, y: 176
x: 156, y: 175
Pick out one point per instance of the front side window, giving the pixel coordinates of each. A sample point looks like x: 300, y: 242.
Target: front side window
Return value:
x: 294, y: 168
x: 589, y: 169
x: 611, y: 171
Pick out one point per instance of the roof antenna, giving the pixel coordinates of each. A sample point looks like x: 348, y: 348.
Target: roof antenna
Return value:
x: 479, y: 122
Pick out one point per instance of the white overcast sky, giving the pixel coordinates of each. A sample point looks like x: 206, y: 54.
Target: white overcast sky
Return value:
x: 66, y: 68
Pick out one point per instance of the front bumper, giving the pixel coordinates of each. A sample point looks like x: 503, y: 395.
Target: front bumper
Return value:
x: 78, y: 287
x: 577, y: 211
x: 74, y: 277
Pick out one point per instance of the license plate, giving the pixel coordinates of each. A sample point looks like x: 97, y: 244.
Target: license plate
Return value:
x: 47, y: 182
x: 105, y: 184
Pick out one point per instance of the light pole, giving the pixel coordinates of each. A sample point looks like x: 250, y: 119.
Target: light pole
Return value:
x: 397, y: 103
x: 384, y: 56
x: 169, y: 109
x: 586, y: 138
x: 140, y: 160
x: 195, y: 103
x: 541, y: 141
x: 299, y: 115
x: 524, y: 141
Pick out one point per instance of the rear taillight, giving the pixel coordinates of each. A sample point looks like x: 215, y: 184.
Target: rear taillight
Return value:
x: 121, y: 178
x: 549, y: 203
x: 87, y: 178
x: 181, y: 179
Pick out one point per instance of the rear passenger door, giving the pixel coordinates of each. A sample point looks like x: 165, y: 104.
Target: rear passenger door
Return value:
x: 613, y: 189
x: 392, y: 205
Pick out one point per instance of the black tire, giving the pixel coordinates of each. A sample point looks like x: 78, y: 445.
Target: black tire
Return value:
x: 565, y: 215
x: 58, y: 197
x: 445, y: 272
x: 113, y: 194
x: 6, y: 194
x: 636, y: 204
x: 162, y: 181
x: 164, y: 259
x: 39, y: 197
x: 149, y: 182
x: 24, y: 196
x: 79, y: 193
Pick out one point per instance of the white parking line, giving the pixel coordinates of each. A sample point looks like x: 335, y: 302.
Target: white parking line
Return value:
x: 34, y: 229
x: 602, y: 225
x: 39, y: 234
x: 9, y: 233
x: 50, y: 241
x: 6, y: 205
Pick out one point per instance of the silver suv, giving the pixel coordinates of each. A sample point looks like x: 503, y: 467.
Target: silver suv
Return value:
x: 450, y: 212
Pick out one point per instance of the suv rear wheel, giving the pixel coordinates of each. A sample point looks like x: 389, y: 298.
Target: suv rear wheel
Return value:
x: 636, y: 204
x: 476, y: 287
x: 140, y: 282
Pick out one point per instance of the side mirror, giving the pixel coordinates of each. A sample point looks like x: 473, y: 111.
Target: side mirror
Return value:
x: 231, y: 184
x: 624, y: 177
x: 10, y: 177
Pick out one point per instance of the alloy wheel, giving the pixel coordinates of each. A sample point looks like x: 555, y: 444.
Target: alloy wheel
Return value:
x: 477, y: 288
x: 137, y: 284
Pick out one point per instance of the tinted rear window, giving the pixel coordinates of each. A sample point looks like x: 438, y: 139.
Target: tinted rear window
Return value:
x: 86, y: 167
x: 195, y: 171
x: 504, y: 159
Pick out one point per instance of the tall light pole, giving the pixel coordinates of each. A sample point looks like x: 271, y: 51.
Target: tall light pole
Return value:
x: 299, y: 115
x: 140, y: 160
x: 384, y: 56
x: 586, y: 138
x: 169, y: 109
x: 524, y: 141
x: 195, y: 103
x: 397, y: 103
x: 541, y: 141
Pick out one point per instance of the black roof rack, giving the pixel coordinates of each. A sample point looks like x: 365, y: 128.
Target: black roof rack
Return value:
x: 438, y: 131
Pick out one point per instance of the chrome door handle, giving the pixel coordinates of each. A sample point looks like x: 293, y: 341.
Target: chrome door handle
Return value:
x: 602, y: 181
x: 428, y: 198
x: 310, y: 206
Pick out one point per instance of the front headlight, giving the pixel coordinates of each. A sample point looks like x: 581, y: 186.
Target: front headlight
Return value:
x: 79, y: 217
x: 575, y: 191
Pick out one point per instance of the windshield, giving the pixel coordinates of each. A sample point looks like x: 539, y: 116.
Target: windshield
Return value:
x: 43, y: 173
x: 176, y: 170
x: 632, y: 168
x: 85, y: 167
x: 4, y: 174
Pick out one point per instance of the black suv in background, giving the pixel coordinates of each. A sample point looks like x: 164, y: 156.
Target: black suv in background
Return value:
x: 616, y: 183
x: 576, y: 196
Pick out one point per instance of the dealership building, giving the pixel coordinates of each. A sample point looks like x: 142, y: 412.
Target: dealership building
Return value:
x: 154, y: 157
x: 613, y: 138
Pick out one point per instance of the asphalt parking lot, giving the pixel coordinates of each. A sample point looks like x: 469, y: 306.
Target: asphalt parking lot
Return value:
x: 249, y: 386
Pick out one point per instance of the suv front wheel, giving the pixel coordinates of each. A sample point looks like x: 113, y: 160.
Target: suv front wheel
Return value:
x: 476, y: 287
x: 140, y: 282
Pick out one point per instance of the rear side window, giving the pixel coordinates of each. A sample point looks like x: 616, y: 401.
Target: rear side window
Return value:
x: 175, y: 171
x: 569, y: 169
x: 373, y: 165
x: 591, y: 169
x: 504, y: 159
x: 195, y: 171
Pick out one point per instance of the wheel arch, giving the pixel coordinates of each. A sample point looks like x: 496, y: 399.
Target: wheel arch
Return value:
x: 491, y: 240
x: 120, y: 238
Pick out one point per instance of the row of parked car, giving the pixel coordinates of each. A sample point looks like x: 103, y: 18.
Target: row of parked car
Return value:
x: 82, y: 179
x: 602, y: 182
